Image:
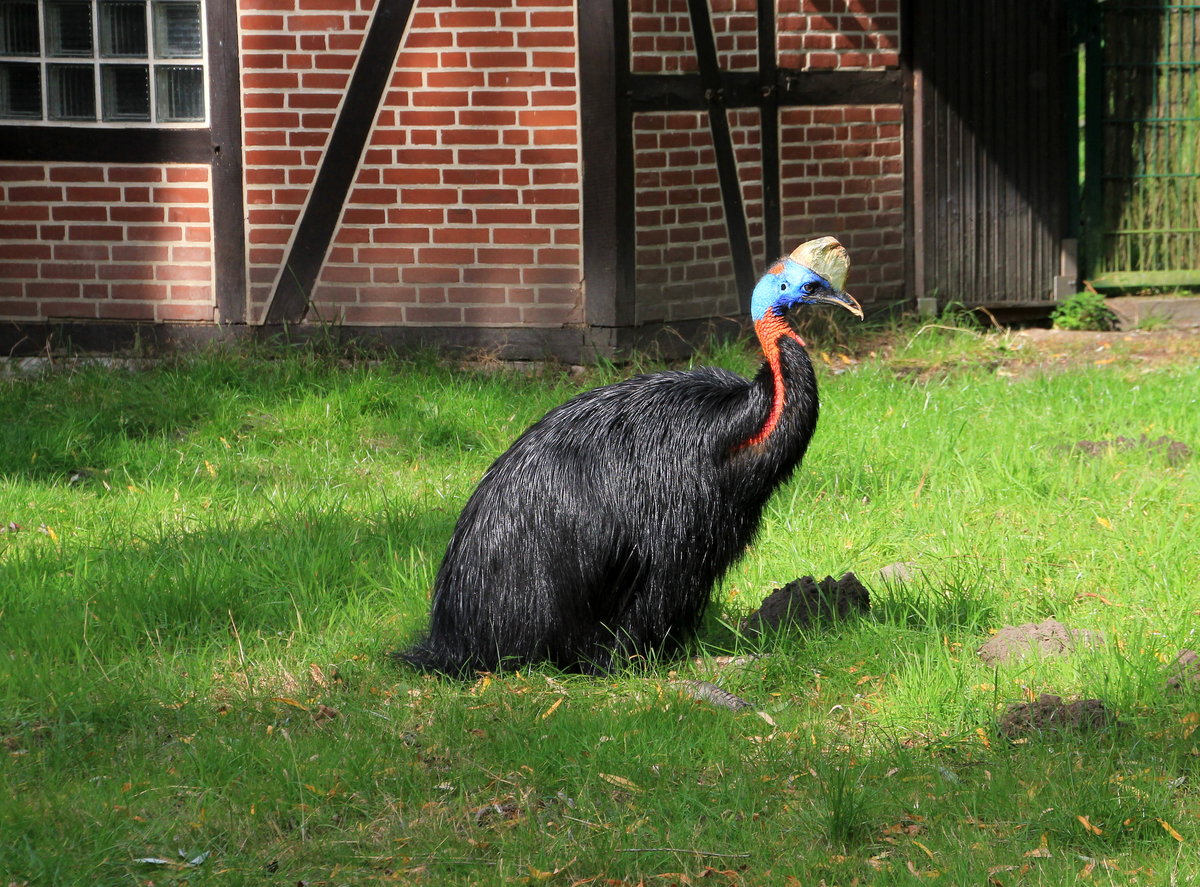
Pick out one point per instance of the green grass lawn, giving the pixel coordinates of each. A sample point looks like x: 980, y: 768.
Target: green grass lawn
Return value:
x: 205, y: 563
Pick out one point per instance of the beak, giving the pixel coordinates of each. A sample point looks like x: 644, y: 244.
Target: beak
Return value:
x: 846, y: 300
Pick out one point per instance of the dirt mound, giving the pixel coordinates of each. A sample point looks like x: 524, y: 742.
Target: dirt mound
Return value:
x: 1176, y: 452
x: 1048, y: 638
x: 1050, y: 713
x: 804, y: 601
x: 1184, y: 671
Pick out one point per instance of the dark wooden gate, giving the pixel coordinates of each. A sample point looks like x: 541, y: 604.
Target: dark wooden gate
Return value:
x: 1142, y: 200
x: 992, y: 159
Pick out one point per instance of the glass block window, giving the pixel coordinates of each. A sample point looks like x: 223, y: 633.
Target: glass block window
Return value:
x: 103, y: 61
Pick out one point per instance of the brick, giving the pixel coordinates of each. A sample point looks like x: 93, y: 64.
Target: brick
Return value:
x: 425, y: 118
x: 544, y: 58
x: 537, y: 156
x: 59, y: 289
x: 76, y: 173
x: 70, y: 213
x: 24, y: 213
x: 504, y: 216
x: 426, y: 274
x: 191, y: 254
x: 275, y: 40
x: 35, y: 193
x: 445, y: 255
x: 17, y: 307
x: 22, y: 173
x: 487, y: 156
x: 492, y: 273
x: 127, y: 310
x: 523, y: 79
x: 428, y: 39
x: 557, y: 118
x: 470, y: 137
x: 374, y: 196
x: 543, y: 39
x: 186, y: 214
x: 500, y: 59
x: 428, y: 314
x: 169, y: 311
x: 125, y: 272
x: 34, y: 251
x: 520, y: 235
x: 554, y: 137
x: 268, y: 79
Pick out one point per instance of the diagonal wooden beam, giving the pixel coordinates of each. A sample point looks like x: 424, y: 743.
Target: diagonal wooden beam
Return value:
x: 318, y: 222
x: 727, y: 171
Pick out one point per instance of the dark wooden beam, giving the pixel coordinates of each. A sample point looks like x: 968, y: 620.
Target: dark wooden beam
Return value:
x: 768, y: 72
x: 599, y: 129
x: 626, y: 197
x: 229, y: 223
x: 839, y: 87
x: 75, y: 144
x: 742, y: 89
x: 727, y: 170
x: 318, y: 223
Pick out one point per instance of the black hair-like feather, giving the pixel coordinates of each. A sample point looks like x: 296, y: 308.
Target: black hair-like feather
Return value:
x: 601, y: 531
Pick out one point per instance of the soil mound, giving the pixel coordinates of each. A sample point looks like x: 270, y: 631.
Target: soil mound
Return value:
x: 804, y: 601
x: 1050, y: 713
x: 1048, y: 638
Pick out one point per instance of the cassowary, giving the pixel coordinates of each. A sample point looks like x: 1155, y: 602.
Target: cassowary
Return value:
x: 599, y: 534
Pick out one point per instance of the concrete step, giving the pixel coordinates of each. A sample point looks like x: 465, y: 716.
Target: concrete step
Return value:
x: 1166, y: 312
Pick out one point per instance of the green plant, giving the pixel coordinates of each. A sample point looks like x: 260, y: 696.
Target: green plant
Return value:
x: 1084, y: 311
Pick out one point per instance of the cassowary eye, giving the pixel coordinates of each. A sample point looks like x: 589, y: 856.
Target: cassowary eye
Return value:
x: 809, y: 288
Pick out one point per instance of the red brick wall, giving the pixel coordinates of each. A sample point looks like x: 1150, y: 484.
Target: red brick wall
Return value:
x: 844, y: 34
x: 99, y: 242
x: 684, y: 267
x: 841, y: 173
x: 465, y: 208
x: 297, y: 57
x: 840, y: 168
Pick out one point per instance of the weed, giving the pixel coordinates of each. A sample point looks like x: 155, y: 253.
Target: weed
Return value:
x: 1084, y: 311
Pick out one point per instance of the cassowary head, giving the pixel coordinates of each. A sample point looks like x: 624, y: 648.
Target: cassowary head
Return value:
x: 814, y: 273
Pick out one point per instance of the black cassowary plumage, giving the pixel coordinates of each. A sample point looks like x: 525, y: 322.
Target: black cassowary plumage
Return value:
x: 601, y: 531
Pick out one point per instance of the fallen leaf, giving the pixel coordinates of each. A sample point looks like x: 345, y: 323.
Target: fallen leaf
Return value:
x: 317, y: 675
x: 292, y: 702
x: 620, y: 781
x: 1104, y: 522
x: 1086, y: 823
x: 552, y: 709
x: 324, y: 713
x: 1170, y: 831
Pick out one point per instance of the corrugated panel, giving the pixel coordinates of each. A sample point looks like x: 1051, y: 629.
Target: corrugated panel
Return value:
x: 994, y: 177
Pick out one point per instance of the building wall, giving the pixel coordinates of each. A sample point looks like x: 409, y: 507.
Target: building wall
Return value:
x: 840, y: 166
x: 111, y: 242
x: 465, y: 207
